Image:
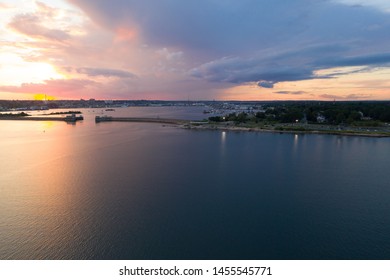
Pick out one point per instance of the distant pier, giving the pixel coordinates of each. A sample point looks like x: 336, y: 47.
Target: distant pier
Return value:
x: 99, y: 119
x: 71, y: 119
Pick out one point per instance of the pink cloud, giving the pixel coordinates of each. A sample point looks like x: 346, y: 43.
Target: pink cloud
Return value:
x: 46, y: 10
x: 30, y: 25
x: 125, y: 34
x: 4, y: 6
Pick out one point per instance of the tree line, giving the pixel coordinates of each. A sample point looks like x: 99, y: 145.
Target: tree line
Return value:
x: 335, y: 113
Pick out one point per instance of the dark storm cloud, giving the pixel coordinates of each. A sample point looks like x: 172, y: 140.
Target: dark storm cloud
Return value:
x: 378, y: 59
x: 265, y: 84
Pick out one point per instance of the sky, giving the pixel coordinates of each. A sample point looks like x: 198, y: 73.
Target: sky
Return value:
x: 195, y: 49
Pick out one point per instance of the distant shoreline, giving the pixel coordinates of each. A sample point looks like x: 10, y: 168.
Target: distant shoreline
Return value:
x: 277, y: 128
x: 200, y: 125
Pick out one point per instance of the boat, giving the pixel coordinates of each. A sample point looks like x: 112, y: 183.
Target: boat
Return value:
x: 73, y: 118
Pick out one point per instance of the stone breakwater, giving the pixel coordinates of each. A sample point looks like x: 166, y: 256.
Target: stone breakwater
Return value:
x: 147, y: 120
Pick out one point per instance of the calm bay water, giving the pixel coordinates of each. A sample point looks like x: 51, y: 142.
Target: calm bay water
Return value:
x: 144, y: 191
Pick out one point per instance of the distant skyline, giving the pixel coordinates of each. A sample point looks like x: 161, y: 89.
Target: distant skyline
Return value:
x: 195, y: 49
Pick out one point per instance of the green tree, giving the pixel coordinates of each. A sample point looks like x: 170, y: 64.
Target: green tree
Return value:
x: 215, y: 119
x: 242, y: 117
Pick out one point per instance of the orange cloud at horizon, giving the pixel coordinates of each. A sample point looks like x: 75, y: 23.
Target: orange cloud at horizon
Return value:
x: 373, y: 85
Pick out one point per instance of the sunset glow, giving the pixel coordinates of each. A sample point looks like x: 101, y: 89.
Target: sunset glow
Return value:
x: 190, y: 50
x: 43, y: 97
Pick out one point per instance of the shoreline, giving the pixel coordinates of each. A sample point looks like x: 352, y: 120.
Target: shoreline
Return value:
x: 255, y: 129
x: 279, y: 128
